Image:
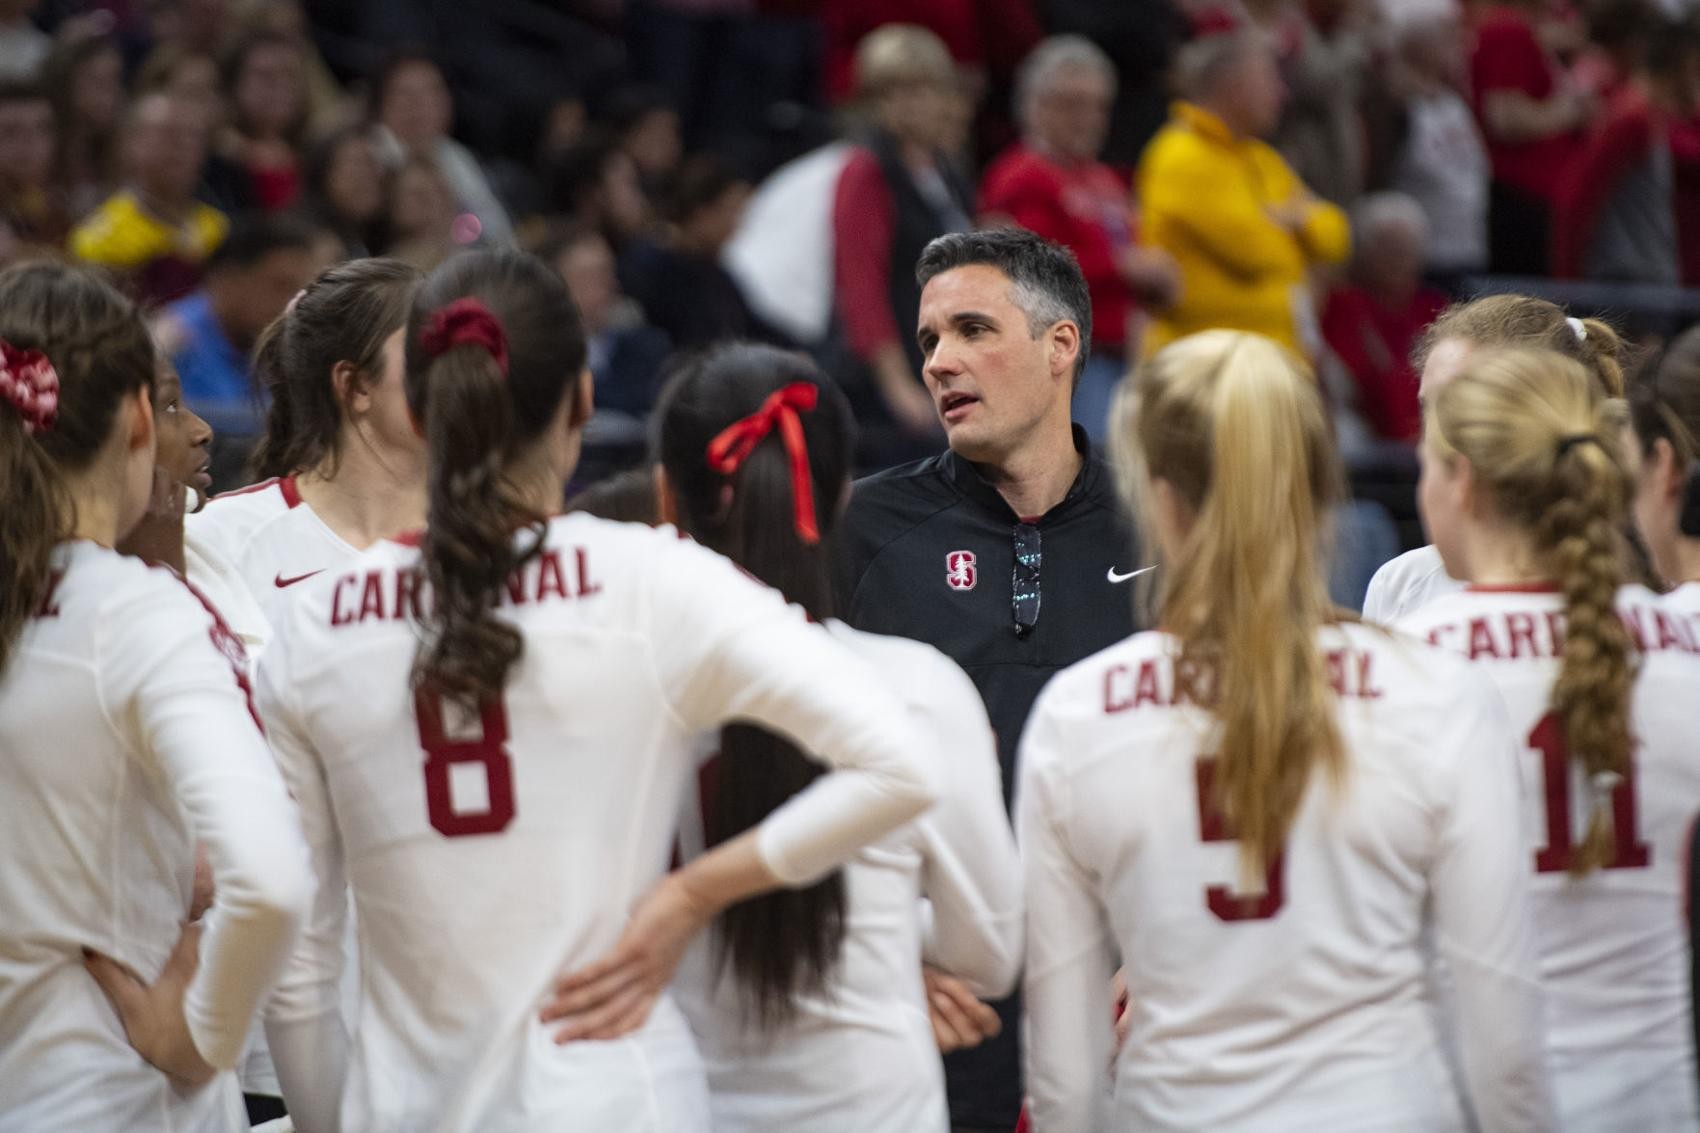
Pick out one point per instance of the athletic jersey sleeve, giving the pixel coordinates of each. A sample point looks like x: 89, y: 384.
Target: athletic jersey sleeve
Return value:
x: 1483, y: 925
x: 176, y: 673
x: 970, y: 874
x: 1070, y: 949
x: 304, y: 1026
x: 726, y: 648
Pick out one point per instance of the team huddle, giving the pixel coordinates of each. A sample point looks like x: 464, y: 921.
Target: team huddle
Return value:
x: 396, y: 787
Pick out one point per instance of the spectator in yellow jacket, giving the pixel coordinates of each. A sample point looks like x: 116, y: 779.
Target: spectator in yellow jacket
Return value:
x: 1239, y: 222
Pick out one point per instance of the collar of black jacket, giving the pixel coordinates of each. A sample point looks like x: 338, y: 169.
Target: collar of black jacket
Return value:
x: 1092, y: 479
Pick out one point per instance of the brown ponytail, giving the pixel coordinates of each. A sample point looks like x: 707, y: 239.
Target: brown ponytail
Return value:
x: 35, y: 521
x: 1234, y: 426
x: 480, y: 412
x: 345, y: 315
x: 101, y: 351
x: 1545, y: 449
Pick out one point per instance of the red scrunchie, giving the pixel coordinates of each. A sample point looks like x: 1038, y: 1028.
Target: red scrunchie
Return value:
x: 30, y: 384
x: 728, y: 451
x: 466, y: 321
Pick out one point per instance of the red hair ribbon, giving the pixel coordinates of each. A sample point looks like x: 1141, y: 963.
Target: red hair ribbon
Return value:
x: 30, y: 384
x: 466, y: 321
x: 728, y: 451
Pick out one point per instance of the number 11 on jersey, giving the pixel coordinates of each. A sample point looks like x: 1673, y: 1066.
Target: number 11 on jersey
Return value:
x: 487, y: 748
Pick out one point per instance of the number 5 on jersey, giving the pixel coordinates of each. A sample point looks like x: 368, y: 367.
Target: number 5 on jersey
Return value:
x: 1213, y: 827
x: 443, y: 753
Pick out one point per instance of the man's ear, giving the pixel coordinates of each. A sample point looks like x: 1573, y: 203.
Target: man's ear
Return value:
x: 1065, y: 348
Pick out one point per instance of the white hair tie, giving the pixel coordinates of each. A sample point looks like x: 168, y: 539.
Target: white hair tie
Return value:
x: 1578, y: 328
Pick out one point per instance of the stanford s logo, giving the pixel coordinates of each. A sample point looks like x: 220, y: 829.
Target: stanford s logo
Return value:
x: 959, y: 570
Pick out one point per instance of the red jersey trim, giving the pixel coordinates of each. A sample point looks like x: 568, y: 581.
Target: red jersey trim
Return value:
x: 1515, y: 588
x: 260, y: 486
x: 291, y: 494
x: 226, y: 642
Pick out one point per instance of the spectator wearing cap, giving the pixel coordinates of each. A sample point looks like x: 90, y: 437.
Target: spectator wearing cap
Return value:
x: 1244, y: 229
x: 208, y: 335
x: 414, y: 112
x: 1052, y: 183
x: 896, y: 193
x: 1616, y: 210
x: 153, y: 234
x: 1372, y: 323
x: 1531, y: 117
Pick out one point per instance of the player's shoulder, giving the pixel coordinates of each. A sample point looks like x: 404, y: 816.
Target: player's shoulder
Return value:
x: 1405, y: 583
x: 231, y: 519
x: 122, y: 598
x: 1084, y: 684
x: 918, y: 671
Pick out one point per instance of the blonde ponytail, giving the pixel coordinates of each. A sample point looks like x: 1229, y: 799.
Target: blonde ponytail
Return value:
x: 1546, y: 450
x: 1233, y: 425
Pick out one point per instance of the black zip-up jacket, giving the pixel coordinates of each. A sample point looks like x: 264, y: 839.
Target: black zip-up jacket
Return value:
x: 897, y: 575
x: 927, y: 551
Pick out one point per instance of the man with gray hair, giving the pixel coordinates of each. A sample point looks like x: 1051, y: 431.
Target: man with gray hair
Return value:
x: 1008, y: 552
x: 1052, y: 183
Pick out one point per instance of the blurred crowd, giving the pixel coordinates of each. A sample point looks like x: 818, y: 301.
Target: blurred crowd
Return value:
x: 1329, y: 173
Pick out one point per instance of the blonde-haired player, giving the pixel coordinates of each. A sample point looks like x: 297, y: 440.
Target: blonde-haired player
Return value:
x: 1493, y: 322
x: 1525, y: 493
x: 125, y: 738
x: 490, y: 731
x: 1258, y: 808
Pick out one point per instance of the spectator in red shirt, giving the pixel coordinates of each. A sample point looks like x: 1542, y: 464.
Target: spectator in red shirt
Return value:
x: 1530, y: 117
x: 1616, y: 212
x: 896, y: 193
x: 1052, y: 183
x: 1372, y: 323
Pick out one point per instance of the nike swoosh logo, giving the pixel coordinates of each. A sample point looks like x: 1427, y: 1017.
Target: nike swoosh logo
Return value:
x: 280, y: 582
x: 1114, y: 576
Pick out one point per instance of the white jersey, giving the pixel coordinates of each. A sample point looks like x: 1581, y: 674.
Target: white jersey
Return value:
x: 1303, y: 1006
x: 249, y: 547
x: 125, y: 737
x: 1404, y: 585
x: 488, y: 856
x: 1613, y: 945
x: 245, y: 551
x: 861, y: 1057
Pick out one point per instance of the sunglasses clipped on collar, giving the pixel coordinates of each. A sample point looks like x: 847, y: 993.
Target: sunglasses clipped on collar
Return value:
x: 1024, y: 582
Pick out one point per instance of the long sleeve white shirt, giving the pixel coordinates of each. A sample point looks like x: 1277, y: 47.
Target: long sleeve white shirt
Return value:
x: 860, y: 1056
x: 488, y: 856
x: 1612, y: 946
x: 1300, y: 1006
x: 125, y: 738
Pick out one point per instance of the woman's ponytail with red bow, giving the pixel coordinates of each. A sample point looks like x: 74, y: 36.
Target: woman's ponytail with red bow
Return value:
x: 758, y: 446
